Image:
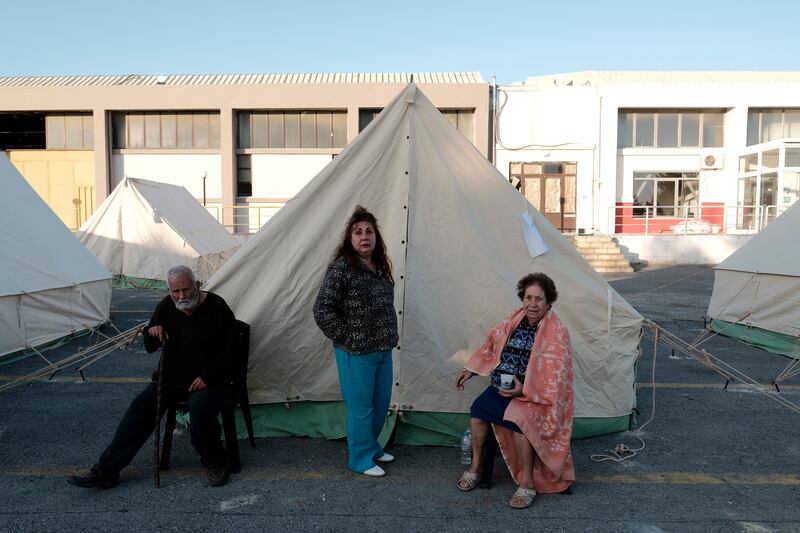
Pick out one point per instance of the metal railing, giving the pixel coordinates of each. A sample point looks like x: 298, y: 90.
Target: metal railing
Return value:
x: 691, y: 219
x: 214, y: 211
x: 244, y: 218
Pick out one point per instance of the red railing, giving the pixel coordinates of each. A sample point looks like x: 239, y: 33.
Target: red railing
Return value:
x: 704, y: 219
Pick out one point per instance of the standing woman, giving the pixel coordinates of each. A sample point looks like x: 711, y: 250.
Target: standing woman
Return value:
x: 355, y: 309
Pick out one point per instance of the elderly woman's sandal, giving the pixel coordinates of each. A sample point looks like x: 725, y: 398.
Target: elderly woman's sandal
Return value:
x: 522, y: 498
x: 468, y: 481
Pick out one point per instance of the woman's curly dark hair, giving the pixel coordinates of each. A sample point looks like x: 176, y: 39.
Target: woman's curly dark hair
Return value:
x: 542, y: 280
x: 346, y: 250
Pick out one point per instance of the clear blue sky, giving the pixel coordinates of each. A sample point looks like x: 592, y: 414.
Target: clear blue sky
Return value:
x: 512, y: 40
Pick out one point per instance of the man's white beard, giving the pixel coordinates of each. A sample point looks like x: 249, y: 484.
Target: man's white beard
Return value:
x: 188, y: 304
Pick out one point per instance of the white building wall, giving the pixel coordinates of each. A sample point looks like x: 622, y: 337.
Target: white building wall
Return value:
x: 276, y: 178
x: 281, y: 176
x: 585, y: 161
x: 680, y: 249
x: 177, y: 169
x: 717, y: 185
x: 558, y: 124
x: 608, y: 181
x: 553, y: 118
x: 557, y: 118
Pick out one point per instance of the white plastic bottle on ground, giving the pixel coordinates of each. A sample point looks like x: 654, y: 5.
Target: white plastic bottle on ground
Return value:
x: 466, y: 448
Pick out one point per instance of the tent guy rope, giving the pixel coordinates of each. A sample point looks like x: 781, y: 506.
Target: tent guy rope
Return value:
x: 87, y: 356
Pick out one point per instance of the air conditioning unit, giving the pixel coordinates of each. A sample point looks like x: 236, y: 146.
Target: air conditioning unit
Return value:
x: 711, y: 160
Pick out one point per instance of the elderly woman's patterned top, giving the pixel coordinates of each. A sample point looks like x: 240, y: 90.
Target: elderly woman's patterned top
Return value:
x: 355, y: 308
x: 517, y: 351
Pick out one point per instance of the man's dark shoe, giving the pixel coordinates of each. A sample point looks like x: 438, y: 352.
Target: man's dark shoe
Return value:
x: 94, y: 478
x: 218, y: 476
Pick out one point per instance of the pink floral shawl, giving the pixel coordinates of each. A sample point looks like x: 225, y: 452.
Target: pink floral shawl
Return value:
x: 544, y: 411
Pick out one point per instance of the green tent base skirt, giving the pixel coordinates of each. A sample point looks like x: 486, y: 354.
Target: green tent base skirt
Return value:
x: 27, y: 352
x: 328, y: 420
x: 770, y: 341
x: 130, y: 282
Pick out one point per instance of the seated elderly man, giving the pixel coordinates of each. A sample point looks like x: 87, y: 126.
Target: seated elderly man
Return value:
x: 197, y: 331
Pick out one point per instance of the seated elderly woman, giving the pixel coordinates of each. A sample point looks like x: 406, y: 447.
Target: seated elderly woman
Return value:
x: 529, y: 402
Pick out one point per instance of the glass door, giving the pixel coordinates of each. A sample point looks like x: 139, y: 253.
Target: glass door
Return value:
x: 745, y: 212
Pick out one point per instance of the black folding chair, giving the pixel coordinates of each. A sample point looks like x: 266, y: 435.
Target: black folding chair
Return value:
x: 239, y: 398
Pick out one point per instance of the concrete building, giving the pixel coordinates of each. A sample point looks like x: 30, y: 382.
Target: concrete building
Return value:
x: 241, y: 144
x: 634, y: 154
x: 659, y: 153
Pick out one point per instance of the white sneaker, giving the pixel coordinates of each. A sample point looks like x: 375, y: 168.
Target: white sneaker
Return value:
x: 375, y: 471
x: 385, y: 458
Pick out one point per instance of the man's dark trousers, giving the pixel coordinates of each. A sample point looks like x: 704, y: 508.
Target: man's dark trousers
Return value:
x: 139, y: 423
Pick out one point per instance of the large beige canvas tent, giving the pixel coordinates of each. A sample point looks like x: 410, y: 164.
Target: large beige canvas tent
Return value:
x: 756, y: 295
x: 51, y: 286
x: 454, y: 231
x: 146, y: 227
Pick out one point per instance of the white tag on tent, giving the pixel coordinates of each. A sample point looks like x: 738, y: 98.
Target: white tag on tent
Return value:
x: 533, y: 240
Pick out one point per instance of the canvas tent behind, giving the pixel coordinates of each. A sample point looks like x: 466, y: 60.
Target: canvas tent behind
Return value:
x: 452, y: 227
x: 145, y: 227
x: 756, y: 295
x: 51, y: 286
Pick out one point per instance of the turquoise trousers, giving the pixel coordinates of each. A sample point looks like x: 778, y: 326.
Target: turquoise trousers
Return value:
x: 366, y: 384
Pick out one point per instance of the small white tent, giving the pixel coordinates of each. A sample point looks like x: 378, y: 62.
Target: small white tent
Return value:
x: 51, y: 286
x: 756, y: 295
x: 146, y: 227
x: 452, y: 226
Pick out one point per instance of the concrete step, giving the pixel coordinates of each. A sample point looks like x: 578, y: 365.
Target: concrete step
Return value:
x: 614, y: 269
x: 582, y: 241
x: 597, y: 246
x: 610, y: 264
x: 590, y: 245
x: 590, y: 238
x: 604, y: 257
x: 602, y: 252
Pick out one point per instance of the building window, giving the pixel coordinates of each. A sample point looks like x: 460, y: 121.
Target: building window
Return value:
x: 461, y: 119
x: 69, y: 131
x: 670, y: 128
x: 665, y: 194
x: 153, y: 130
x: 244, y: 176
x: 22, y: 131
x: 366, y: 116
x: 791, y: 187
x: 769, y: 181
x: 765, y: 125
x: 291, y: 129
x: 643, y: 129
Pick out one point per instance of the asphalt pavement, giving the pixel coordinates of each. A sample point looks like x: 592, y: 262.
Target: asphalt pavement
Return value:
x: 715, y: 458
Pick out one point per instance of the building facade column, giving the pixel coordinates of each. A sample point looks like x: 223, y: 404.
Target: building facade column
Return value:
x: 611, y: 185
x: 352, y: 123
x: 227, y: 146
x: 102, y: 155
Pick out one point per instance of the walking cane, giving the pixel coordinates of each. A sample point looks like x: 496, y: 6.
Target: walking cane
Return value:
x: 157, y: 432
